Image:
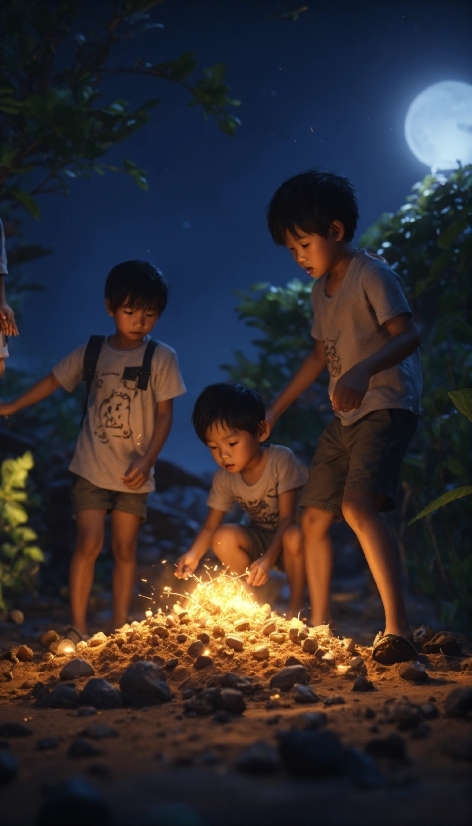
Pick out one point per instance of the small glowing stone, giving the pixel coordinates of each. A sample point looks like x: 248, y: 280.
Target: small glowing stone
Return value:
x: 148, y: 614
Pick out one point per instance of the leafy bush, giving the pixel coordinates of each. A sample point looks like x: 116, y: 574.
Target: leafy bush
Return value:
x: 19, y: 556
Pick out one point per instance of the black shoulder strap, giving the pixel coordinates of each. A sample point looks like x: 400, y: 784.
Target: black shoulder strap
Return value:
x: 92, y: 352
x: 145, y: 372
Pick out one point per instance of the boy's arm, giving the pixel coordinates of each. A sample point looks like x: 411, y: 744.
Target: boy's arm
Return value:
x: 39, y: 391
x: 260, y: 569
x: 188, y: 562
x: 353, y: 385
x: 138, y: 471
x: 7, y: 316
x: 306, y: 374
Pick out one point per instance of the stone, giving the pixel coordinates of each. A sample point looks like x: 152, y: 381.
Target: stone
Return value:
x: 269, y: 627
x: 86, y: 711
x: 308, y: 721
x: 101, y: 694
x: 17, y: 616
x: 98, y: 639
x: 429, y: 711
x: 74, y: 802
x: 242, y: 625
x: 293, y: 661
x: 361, y: 683
x: 64, y: 647
x: 406, y: 715
x: 277, y: 638
x: 204, y: 637
x: 82, y: 748
x: 232, y: 680
x: 171, y: 663
x: 259, y: 758
x: 62, y: 696
x: 196, y: 648
x: 232, y: 700
x: 414, y: 671
x: 8, y: 766
x: 459, y: 747
x: 443, y: 643
x: 310, y: 645
x: 24, y: 653
x: 47, y: 743
x: 420, y: 731
x: 361, y: 770
x: 392, y: 747
x: 422, y: 635
x: 162, y: 632
x: 286, y: 678
x: 334, y: 700
x: 144, y: 684
x: 329, y: 658
x: 181, y: 638
x: 99, y: 731
x: 47, y: 657
x: 218, y: 632
x: 15, y: 730
x: 261, y: 652
x: 203, y: 661
x: 304, y: 694
x: 349, y: 645
x: 53, y: 646
x: 311, y: 753
x: 459, y: 702
x: 48, y: 637
x: 75, y: 669
x: 293, y: 634
x: 234, y: 642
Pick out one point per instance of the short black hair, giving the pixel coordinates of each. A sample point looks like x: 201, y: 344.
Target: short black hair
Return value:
x: 234, y: 405
x: 311, y: 201
x: 138, y: 284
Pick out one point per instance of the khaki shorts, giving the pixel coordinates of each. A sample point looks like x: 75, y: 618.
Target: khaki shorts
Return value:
x: 259, y: 541
x: 364, y: 456
x: 86, y: 497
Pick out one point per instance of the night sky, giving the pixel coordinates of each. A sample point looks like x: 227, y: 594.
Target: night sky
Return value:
x: 331, y: 89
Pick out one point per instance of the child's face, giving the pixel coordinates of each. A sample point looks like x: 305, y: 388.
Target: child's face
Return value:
x: 233, y: 450
x: 313, y: 252
x: 132, y: 324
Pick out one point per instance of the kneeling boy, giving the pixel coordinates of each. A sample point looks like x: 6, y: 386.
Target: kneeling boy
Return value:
x: 263, y: 480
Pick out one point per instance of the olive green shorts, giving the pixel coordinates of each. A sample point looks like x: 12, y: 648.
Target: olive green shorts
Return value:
x: 86, y: 497
x: 259, y: 541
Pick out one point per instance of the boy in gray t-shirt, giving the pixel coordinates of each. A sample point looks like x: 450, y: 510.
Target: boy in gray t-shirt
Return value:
x: 263, y: 481
x: 128, y: 419
x: 364, y: 334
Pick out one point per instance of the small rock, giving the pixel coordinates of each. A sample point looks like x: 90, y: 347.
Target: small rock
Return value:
x: 311, y: 753
x: 393, y: 747
x: 309, y: 721
x: 329, y: 658
x: 17, y: 616
x: 8, y: 766
x: 258, y: 758
x: 293, y: 634
x: 429, y: 711
x: 203, y: 661
x: 293, y: 661
x: 277, y: 638
x: 242, y: 625
x: 181, y: 638
x: 466, y: 665
x: 269, y: 628
x: 413, y: 671
x: 422, y: 635
x: 48, y: 637
x: 349, y: 645
x: 86, y: 711
x: 232, y: 700
x: 361, y: 770
x: 406, y: 715
x: 47, y: 657
x: 144, y: 683
x: 62, y: 696
x: 82, y: 748
x: 24, y: 653
x: 335, y: 700
x: 304, y: 694
x: 204, y: 638
x: 15, y: 730
x: 459, y: 747
x: 99, y: 731
x: 232, y: 680
x: 361, y: 683
x: 218, y: 631
x: 459, y: 702
x: 98, y: 639
x: 73, y: 802
x: 65, y: 647
x: 196, y: 648
x: 53, y: 646
x: 101, y: 694
x: 162, y: 632
x: 46, y: 743
x: 171, y: 663
x: 261, y: 653
x: 234, y: 642
x: 420, y: 731
x: 8, y: 675
x: 81, y: 645
x: 77, y: 668
x: 286, y: 678
x: 443, y: 642
x: 310, y: 645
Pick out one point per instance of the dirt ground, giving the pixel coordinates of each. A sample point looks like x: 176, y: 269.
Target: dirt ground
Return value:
x: 171, y: 765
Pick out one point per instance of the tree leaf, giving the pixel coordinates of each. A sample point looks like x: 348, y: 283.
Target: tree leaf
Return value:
x: 462, y: 399
x: 450, y: 233
x: 445, y: 499
x: 25, y: 199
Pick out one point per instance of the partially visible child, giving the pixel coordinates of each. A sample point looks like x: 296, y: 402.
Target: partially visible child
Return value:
x: 7, y: 316
x: 262, y: 480
x: 128, y: 419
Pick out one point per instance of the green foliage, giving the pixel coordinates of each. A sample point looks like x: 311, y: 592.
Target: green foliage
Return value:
x: 19, y: 556
x: 428, y: 241
x: 54, y: 124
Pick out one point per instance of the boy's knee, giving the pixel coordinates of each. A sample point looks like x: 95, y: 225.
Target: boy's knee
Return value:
x: 124, y: 552
x: 292, y: 541
x: 360, y: 506
x: 223, y: 536
x: 315, y: 521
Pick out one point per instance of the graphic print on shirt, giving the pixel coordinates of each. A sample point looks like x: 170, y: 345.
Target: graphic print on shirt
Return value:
x: 260, y: 511
x: 113, y: 420
x: 333, y: 362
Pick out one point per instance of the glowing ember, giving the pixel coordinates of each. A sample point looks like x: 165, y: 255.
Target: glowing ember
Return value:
x: 224, y: 594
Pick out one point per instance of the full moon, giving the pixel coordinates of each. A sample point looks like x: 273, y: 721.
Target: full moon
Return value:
x: 438, y: 125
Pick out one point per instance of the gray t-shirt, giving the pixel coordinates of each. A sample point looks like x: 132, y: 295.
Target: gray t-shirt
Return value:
x: 350, y: 323
x: 120, y: 418
x: 261, y: 500
x: 3, y: 254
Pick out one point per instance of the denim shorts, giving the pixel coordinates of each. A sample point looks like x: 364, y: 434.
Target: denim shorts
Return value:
x: 364, y: 456
x: 87, y: 497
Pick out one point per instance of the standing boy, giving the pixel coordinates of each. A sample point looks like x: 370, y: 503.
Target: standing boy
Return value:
x: 128, y: 419
x: 364, y: 333
x: 263, y: 481
x: 7, y: 316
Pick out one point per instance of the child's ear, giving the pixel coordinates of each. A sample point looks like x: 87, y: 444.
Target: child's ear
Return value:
x: 263, y: 430
x: 108, y: 307
x: 338, y: 230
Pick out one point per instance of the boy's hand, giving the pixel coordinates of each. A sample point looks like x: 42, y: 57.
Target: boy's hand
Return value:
x: 137, y: 474
x: 259, y: 571
x: 7, y: 320
x: 186, y: 565
x: 351, y: 388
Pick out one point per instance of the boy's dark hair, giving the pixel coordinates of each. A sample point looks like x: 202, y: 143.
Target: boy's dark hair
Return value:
x: 311, y: 201
x: 138, y: 284
x: 234, y: 405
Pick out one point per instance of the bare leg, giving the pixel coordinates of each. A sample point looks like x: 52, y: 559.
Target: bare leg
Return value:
x: 231, y: 546
x: 361, y: 512
x: 318, y: 553
x: 124, y: 536
x: 88, y: 545
x: 294, y: 564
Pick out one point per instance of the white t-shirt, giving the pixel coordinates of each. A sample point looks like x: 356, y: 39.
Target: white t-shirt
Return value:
x: 120, y: 418
x: 261, y: 500
x: 351, y: 325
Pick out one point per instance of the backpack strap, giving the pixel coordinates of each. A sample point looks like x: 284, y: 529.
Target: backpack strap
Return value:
x: 145, y: 371
x: 92, y: 352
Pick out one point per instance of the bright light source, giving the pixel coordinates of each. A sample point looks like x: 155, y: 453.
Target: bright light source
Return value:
x: 438, y: 125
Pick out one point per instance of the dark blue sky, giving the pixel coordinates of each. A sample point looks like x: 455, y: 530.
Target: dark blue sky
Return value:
x: 331, y: 89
